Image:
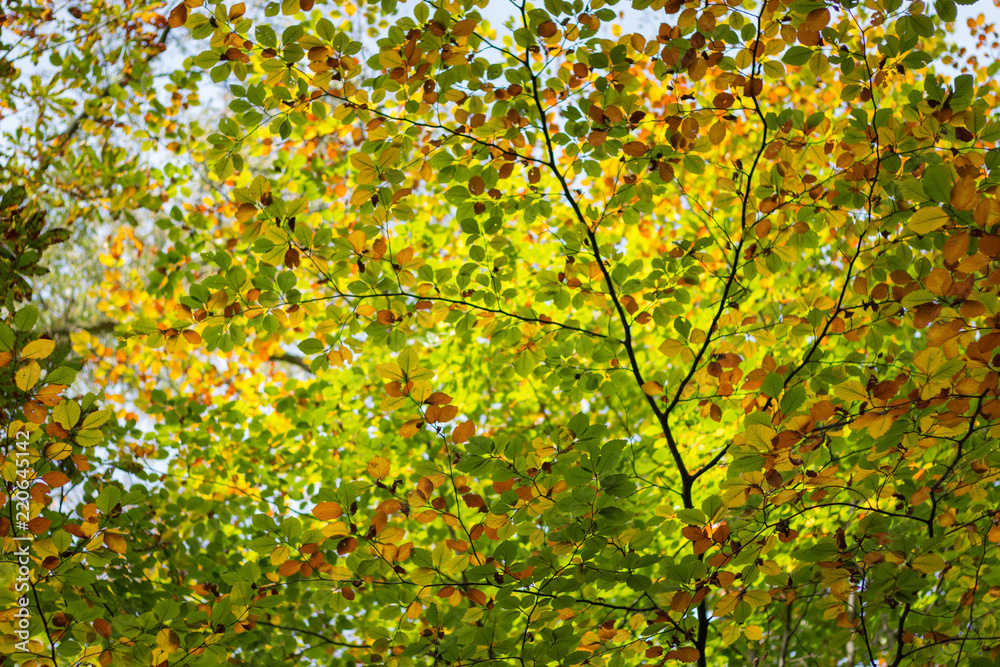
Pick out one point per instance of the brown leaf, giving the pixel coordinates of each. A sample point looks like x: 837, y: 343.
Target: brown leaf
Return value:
x: 547, y: 29
x: 635, y: 149
x: 55, y: 479
x: 665, y: 171
x: 178, y: 16
x: 347, y: 545
x: 102, y: 627
x: 464, y: 27
x: 818, y: 19
x: 463, y: 432
x: 684, y: 654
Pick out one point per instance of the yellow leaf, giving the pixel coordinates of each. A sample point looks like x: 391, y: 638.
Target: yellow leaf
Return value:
x: 390, y: 60
x: 378, y: 468
x: 392, y: 403
x: 362, y: 161
x: 409, y: 364
x: 408, y: 361
x: 245, y: 212
x: 757, y: 598
x: 730, y: 634
x: 26, y: 377
x: 423, y: 576
x: 725, y: 606
x: 753, y: 632
x: 38, y: 349
x: 928, y: 563
x: 928, y: 219
x: 759, y: 436
x: 66, y: 414
x: 115, y: 542
x: 58, y: 451
x: 167, y: 640
x: 717, y: 133
x: 929, y: 360
x: 388, y: 158
x: 852, y: 390
x: 361, y: 195
x: 358, y: 240
x: 389, y: 371
x: 880, y: 426
x: 672, y: 347
x: 652, y: 388
x: 280, y: 554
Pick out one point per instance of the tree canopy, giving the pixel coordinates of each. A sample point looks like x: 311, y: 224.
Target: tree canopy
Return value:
x: 507, y: 334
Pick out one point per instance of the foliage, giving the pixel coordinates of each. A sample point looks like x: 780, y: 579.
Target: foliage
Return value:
x: 661, y: 338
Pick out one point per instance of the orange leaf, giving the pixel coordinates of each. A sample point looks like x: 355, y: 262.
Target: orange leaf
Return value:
x: 328, y: 511
x: 964, y: 195
x: 289, y: 567
x: 378, y: 468
x: 55, y: 479
x: 34, y: 412
x: 463, y: 432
